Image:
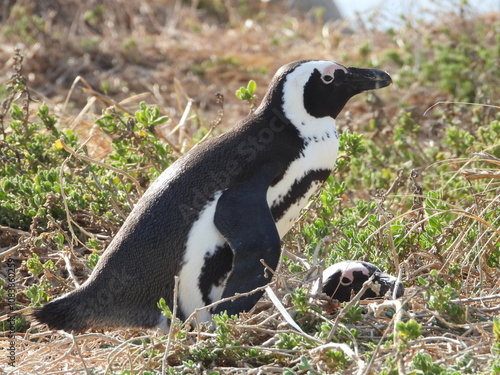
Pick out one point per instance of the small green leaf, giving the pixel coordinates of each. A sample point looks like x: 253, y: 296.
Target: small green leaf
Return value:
x: 160, y: 120
x: 422, y: 281
x: 165, y: 309
x: 251, y: 87
x: 141, y: 117
x: 242, y: 93
x: 93, y: 259
x: 58, y: 239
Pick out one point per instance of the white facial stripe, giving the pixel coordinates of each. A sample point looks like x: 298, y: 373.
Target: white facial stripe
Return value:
x: 293, y: 100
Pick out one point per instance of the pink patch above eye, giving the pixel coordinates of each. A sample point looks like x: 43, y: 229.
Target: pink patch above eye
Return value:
x: 330, y: 69
x: 348, y: 272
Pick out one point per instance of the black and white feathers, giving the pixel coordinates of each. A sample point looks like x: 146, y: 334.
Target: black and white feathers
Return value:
x: 343, y: 280
x: 217, y: 211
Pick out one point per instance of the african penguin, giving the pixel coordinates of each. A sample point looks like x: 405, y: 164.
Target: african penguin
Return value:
x: 344, y: 279
x: 218, y: 210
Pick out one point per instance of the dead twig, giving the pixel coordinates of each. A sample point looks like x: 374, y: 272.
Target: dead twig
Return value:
x: 164, y: 364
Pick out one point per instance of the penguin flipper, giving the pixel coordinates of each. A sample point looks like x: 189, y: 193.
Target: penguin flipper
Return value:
x: 244, y: 219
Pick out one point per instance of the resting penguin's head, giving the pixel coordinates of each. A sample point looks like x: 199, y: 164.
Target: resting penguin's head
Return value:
x: 318, y: 88
x: 344, y: 279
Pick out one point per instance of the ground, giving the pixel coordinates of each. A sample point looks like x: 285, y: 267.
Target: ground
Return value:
x: 417, y: 193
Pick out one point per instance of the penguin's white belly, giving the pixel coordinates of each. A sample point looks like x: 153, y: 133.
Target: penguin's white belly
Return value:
x: 203, y: 240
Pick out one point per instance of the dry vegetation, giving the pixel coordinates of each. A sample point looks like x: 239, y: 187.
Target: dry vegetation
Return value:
x: 422, y: 196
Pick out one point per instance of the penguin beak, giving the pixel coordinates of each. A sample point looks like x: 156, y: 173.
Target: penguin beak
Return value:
x: 388, y: 283
x: 367, y: 79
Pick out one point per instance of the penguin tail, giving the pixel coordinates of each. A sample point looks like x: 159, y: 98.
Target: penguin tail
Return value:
x: 64, y: 313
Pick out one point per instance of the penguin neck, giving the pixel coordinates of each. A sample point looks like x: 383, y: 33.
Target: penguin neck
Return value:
x: 312, y: 129
x: 308, y: 126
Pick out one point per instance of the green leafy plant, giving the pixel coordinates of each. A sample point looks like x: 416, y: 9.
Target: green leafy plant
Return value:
x: 93, y: 259
x: 224, y: 330
x: 38, y: 294
x: 354, y: 314
x: 439, y: 297
x: 165, y: 309
x: 289, y: 341
x: 248, y: 93
x: 336, y: 360
x: 407, y: 331
x: 303, y: 365
x: 36, y: 267
x: 299, y: 300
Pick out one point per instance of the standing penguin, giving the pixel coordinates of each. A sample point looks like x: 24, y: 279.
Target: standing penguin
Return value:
x: 214, y: 214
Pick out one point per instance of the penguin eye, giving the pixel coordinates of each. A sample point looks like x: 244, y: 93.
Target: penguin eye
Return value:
x: 327, y: 79
x: 345, y: 281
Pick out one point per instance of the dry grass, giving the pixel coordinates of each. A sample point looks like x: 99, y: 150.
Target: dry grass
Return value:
x: 169, y: 55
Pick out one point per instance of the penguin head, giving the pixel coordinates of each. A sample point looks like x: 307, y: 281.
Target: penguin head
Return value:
x: 344, y: 279
x: 318, y: 88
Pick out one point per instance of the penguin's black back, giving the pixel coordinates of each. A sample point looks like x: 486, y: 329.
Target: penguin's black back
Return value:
x: 147, y: 252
